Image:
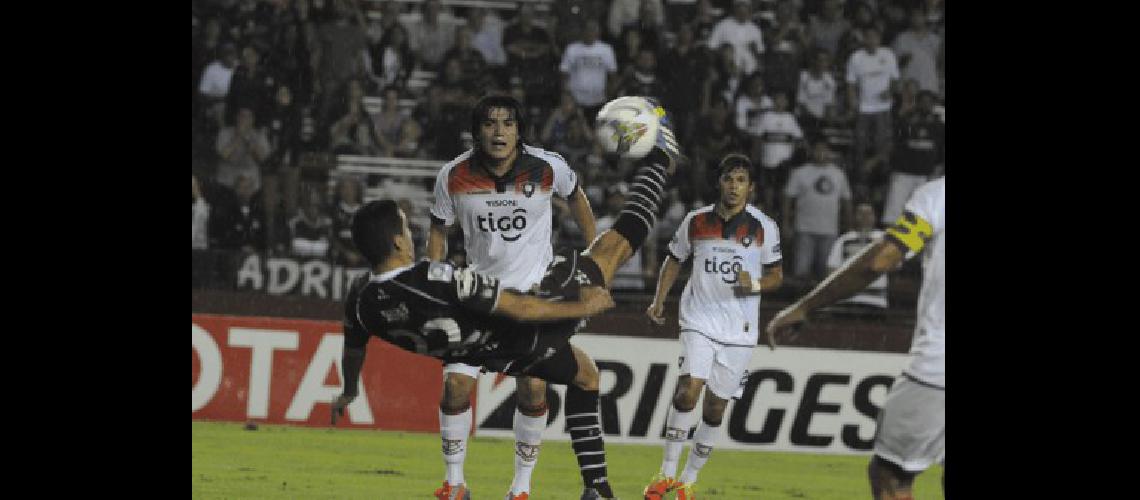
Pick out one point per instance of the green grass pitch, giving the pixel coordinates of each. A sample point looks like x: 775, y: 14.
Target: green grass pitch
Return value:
x: 299, y: 462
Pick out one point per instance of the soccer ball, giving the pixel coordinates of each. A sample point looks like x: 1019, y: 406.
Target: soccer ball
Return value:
x: 628, y: 126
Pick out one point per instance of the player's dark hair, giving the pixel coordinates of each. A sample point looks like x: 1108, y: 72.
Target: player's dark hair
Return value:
x: 733, y: 161
x: 483, y: 108
x: 374, y: 229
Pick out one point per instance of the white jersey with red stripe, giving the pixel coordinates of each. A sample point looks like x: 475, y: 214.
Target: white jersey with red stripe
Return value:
x: 506, y: 220
x: 748, y: 241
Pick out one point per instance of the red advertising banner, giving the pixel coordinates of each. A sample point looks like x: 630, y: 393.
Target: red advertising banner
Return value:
x: 287, y: 371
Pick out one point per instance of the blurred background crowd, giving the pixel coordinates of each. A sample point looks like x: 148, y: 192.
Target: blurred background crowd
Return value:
x: 839, y: 103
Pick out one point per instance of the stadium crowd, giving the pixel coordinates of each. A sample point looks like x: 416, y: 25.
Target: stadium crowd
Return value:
x: 839, y: 103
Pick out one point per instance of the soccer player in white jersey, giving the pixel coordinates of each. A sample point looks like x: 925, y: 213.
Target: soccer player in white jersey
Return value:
x: 729, y: 242
x: 911, y: 433
x: 500, y: 194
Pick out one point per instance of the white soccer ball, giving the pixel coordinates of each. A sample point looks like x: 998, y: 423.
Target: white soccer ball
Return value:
x: 627, y: 126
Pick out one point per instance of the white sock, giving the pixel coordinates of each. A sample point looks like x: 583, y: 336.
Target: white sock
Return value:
x: 703, y: 440
x: 453, y: 431
x: 676, y: 433
x: 528, y: 437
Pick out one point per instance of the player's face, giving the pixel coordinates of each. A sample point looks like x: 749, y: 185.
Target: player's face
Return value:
x: 499, y: 133
x: 735, y: 188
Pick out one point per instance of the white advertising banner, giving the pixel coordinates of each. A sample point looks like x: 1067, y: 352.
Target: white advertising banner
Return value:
x: 794, y: 399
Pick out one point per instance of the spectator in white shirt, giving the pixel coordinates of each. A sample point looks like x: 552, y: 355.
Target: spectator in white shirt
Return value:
x: 816, y: 93
x: 873, y: 76
x: 744, y: 35
x: 587, y: 66
x: 816, y: 195
x: 778, y: 135
x: 751, y: 104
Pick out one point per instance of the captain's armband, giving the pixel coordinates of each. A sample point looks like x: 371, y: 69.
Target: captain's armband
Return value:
x: 912, y: 231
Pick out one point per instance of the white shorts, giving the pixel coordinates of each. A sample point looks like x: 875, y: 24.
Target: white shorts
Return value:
x: 912, y: 426
x: 721, y: 366
x: 462, y: 368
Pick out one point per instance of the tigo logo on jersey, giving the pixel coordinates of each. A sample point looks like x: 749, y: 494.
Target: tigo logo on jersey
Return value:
x: 515, y: 221
x: 727, y: 269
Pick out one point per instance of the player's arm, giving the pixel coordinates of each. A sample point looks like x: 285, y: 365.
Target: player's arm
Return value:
x: 351, y: 362
x: 583, y: 214
x: 437, y: 240
x: 909, y: 234
x: 665, y: 280
x: 481, y: 293
x: 863, y: 269
x: 773, y: 278
x: 592, y: 300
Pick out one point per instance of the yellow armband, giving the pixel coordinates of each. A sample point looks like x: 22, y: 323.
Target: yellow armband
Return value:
x: 912, y: 231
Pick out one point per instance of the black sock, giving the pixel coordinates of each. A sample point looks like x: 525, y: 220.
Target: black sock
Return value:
x: 639, y: 213
x: 586, y: 438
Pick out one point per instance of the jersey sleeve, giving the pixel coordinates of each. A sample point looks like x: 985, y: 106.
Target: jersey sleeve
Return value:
x: 565, y: 178
x: 770, y: 251
x: 680, y: 247
x: 355, y: 335
x: 920, y: 220
x: 443, y: 207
